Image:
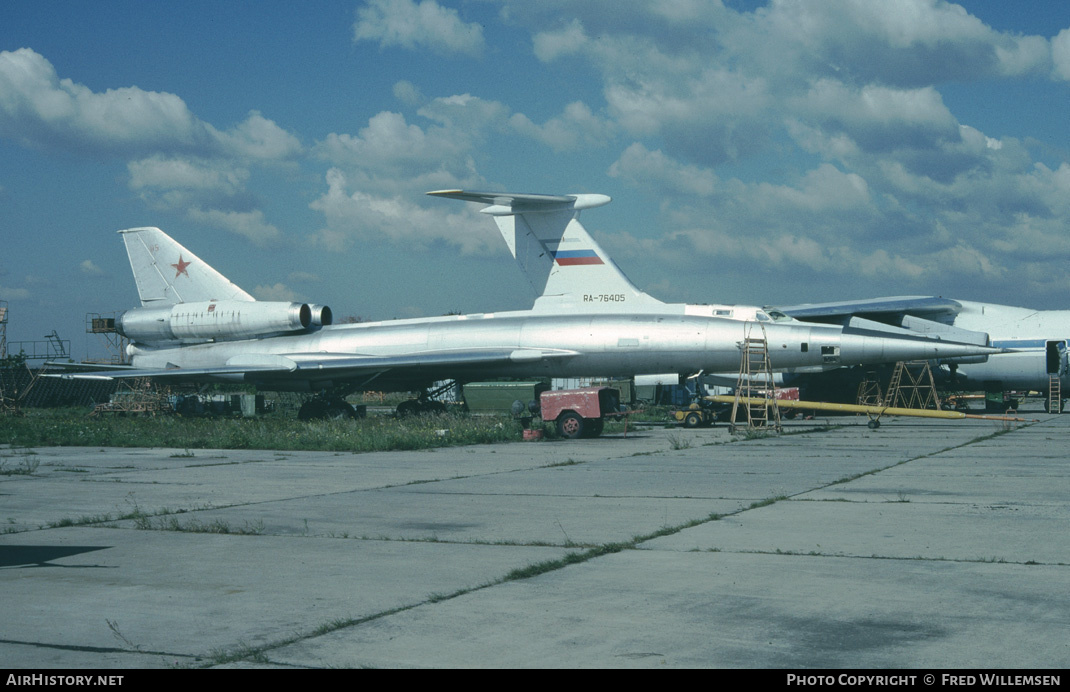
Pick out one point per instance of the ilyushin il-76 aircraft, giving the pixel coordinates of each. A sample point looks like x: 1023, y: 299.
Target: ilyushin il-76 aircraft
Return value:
x: 589, y: 320
x: 1037, y: 338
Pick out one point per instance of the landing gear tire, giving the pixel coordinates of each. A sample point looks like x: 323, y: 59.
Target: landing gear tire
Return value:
x: 874, y: 424
x: 190, y: 407
x: 324, y: 409
x: 314, y: 409
x: 340, y: 410
x: 436, y: 407
x: 416, y: 407
x: 409, y: 407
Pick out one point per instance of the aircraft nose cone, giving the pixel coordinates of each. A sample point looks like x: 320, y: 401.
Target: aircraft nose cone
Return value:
x: 864, y: 348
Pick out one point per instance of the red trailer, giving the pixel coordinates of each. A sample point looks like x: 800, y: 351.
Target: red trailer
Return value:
x: 579, y: 412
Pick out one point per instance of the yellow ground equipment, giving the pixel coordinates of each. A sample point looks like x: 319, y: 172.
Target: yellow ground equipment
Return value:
x: 695, y: 416
x: 874, y: 412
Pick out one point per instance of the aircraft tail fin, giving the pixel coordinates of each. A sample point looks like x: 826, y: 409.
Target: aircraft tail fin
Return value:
x: 167, y: 273
x: 557, y: 255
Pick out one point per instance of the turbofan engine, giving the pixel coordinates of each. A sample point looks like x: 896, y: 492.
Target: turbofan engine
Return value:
x: 219, y: 320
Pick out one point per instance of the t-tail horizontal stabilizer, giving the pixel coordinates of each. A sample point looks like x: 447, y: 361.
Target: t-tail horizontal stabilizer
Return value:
x: 563, y: 263
x: 167, y: 273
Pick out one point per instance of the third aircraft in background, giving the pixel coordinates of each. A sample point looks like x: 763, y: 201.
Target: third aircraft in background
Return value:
x: 1037, y: 338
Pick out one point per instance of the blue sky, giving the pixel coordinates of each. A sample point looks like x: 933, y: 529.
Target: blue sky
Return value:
x: 756, y: 152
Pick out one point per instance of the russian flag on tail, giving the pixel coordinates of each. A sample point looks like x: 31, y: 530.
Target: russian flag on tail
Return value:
x: 567, y: 258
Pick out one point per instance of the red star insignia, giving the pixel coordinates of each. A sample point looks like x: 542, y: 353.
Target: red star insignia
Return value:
x: 180, y: 268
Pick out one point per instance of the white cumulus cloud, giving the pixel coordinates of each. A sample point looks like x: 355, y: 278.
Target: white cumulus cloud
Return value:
x: 412, y: 25
x: 40, y: 109
x: 90, y: 268
x: 249, y: 224
x: 356, y: 216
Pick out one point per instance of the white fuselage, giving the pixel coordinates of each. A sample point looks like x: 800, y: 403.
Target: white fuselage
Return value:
x: 1031, y: 333
x: 603, y: 345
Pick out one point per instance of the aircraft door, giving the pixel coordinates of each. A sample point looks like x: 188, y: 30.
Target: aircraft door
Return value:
x: 1056, y: 361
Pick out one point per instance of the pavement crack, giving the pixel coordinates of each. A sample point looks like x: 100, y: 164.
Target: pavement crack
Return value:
x: 94, y: 649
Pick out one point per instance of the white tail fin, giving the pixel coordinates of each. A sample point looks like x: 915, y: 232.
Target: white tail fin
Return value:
x: 167, y: 273
x: 567, y: 269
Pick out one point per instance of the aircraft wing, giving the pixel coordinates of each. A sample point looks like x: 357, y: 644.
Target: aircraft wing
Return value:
x: 921, y: 306
x: 70, y: 368
x: 317, y: 367
x: 178, y: 374
x: 928, y: 316
x: 439, y: 362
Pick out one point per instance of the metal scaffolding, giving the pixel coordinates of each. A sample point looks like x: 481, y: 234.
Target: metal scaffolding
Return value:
x: 138, y: 396
x: 114, y: 343
x: 869, y: 391
x: 912, y: 386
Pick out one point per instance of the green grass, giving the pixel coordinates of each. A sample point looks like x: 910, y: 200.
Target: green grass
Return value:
x: 678, y: 442
x: 25, y: 467
x: 73, y: 427
x: 172, y: 523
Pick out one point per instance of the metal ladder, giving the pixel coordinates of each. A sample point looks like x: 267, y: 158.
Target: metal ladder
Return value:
x: 756, y: 382
x: 1055, y: 394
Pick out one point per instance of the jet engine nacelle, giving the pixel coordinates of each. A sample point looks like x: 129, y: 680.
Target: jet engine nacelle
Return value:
x: 321, y: 315
x: 219, y: 320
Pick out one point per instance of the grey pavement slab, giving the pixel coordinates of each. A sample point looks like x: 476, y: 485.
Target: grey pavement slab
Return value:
x: 650, y: 609
x: 930, y: 531
x: 185, y: 598
x: 921, y: 544
x: 393, y: 514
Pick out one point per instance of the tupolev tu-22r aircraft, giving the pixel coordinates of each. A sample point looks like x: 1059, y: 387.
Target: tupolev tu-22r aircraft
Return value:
x: 194, y: 325
x: 1036, y: 341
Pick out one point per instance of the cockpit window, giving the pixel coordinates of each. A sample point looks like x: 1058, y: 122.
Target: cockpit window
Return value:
x: 779, y: 316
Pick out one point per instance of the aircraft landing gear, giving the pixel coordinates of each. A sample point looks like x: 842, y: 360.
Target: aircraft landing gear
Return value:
x: 424, y: 403
x: 418, y: 407
x: 326, y: 408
